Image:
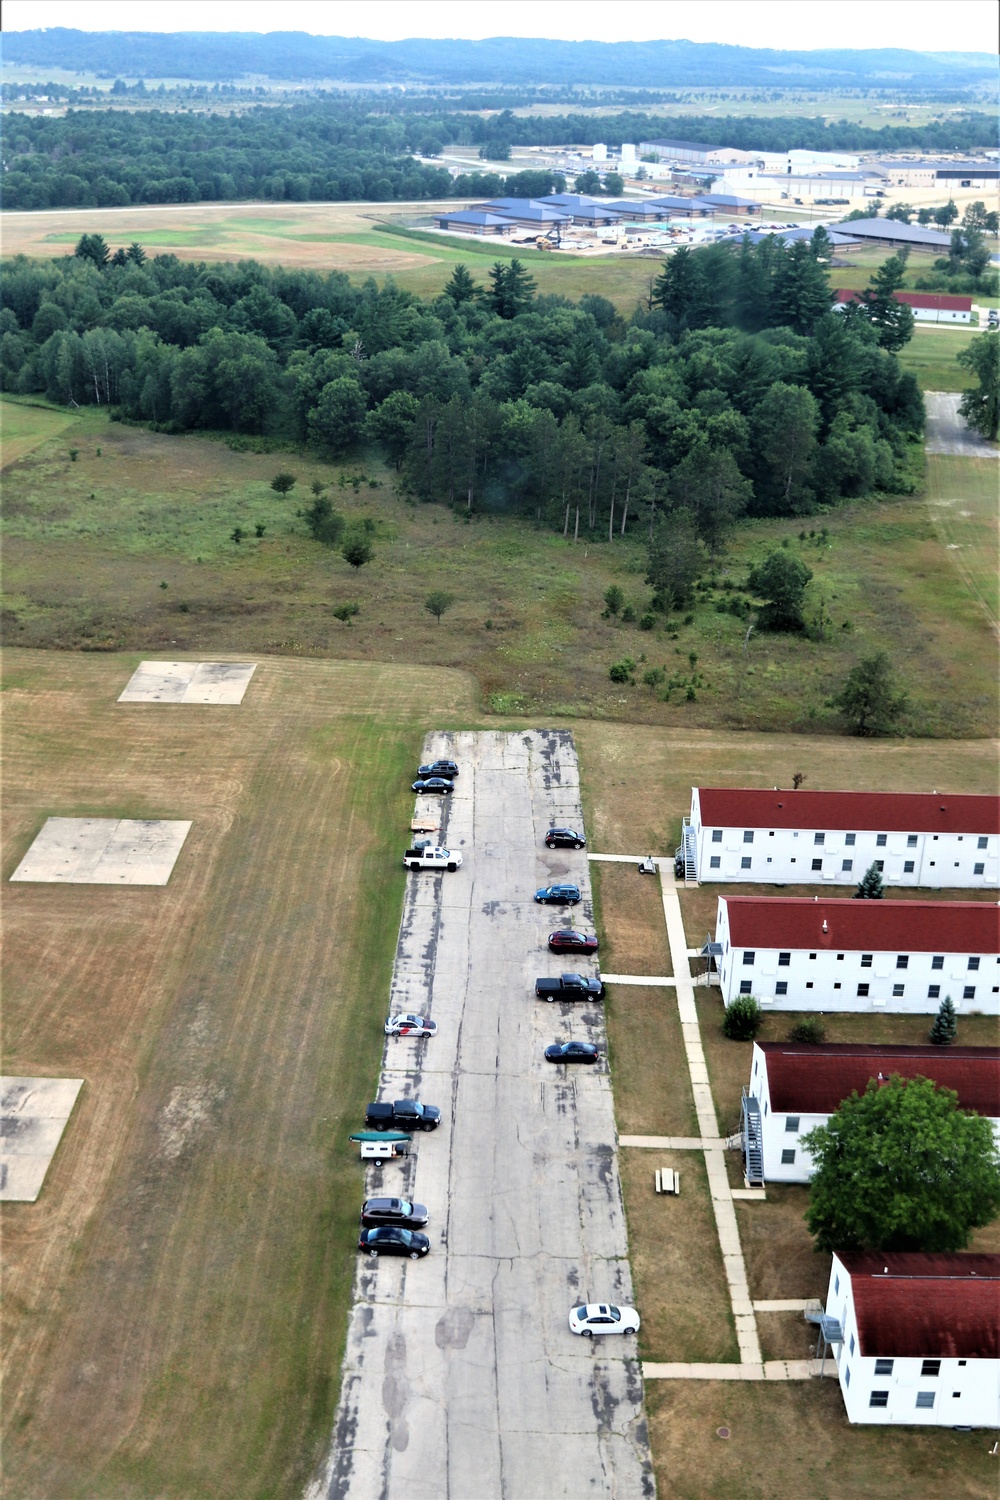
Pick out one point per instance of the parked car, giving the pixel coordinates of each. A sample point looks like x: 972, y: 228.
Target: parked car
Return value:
x: 439, y: 784
x: 439, y: 768
x: 389, y: 1240
x: 402, y: 1114
x: 602, y: 1317
x: 572, y: 1052
x: 564, y: 838
x: 570, y: 941
x: 431, y: 857
x: 406, y: 1024
x: 376, y: 1211
x: 558, y: 895
x: 569, y: 987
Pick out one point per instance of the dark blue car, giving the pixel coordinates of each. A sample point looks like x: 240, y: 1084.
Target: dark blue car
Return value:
x: 559, y: 895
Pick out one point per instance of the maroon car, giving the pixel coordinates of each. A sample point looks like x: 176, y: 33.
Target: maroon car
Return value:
x: 572, y: 942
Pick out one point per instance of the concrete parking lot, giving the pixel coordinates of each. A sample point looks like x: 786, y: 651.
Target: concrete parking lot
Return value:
x: 462, y: 1379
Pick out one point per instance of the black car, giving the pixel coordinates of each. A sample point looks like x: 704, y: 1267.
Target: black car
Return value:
x: 572, y: 942
x: 439, y: 768
x: 397, y: 1211
x: 558, y: 895
x: 564, y: 838
x: 433, y: 784
x: 572, y: 1052
x: 388, y: 1240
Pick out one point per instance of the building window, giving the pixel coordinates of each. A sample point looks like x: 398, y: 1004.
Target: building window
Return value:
x: 716, y: 835
x: 937, y: 962
x: 934, y: 992
x: 817, y: 864
x: 836, y: 1285
x: 745, y: 862
x: 973, y: 963
x: 908, y: 867
x: 784, y: 960
x: 746, y: 986
x: 879, y: 865
x: 978, y: 869
x: 963, y: 1361
x: 749, y: 954
x: 748, y: 835
x: 787, y: 1158
x: 897, y: 991
x: 840, y: 958
x: 902, y: 960
x: 809, y: 984
x: 838, y: 986
x: 819, y: 838
x: 866, y: 960
x: 847, y: 1374
x: 847, y: 865
x: 715, y: 863
x: 792, y: 1124
x: 930, y: 1367
x: 884, y: 1366
x: 925, y: 1401
x: 781, y: 988
x: 911, y: 841
x: 982, y: 842
x: 862, y: 990
x: 850, y: 840
x: 969, y: 992
x: 852, y: 1343
x: 881, y: 840
x: 812, y: 955
x: 878, y: 1398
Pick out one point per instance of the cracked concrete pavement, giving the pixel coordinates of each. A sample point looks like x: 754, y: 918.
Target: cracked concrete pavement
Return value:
x: 461, y: 1378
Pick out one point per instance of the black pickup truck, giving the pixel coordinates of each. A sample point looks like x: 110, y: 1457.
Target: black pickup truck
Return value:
x: 569, y: 987
x: 402, y: 1114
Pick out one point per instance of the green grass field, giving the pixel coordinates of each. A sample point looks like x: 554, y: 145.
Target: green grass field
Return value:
x: 931, y: 356
x: 88, y: 546
x: 962, y: 501
x: 24, y: 428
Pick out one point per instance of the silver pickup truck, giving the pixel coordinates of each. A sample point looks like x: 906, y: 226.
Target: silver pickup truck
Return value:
x: 432, y: 858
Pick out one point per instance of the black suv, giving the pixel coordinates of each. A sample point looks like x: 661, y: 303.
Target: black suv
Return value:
x: 376, y: 1211
x: 564, y: 838
x: 439, y: 768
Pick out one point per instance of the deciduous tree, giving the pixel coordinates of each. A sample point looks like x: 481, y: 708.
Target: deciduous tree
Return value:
x: 870, y: 699
x: 780, y: 580
x: 980, y: 406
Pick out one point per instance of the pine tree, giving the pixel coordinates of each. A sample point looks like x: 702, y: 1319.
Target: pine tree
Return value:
x: 461, y: 287
x: 945, y: 1027
x: 870, y: 888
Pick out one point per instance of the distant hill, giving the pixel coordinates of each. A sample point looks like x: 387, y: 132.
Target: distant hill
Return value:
x: 295, y: 55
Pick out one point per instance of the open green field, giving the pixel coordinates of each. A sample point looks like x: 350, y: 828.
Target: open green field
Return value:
x: 963, y: 507
x: 25, y: 428
x: 931, y: 355
x: 89, y: 546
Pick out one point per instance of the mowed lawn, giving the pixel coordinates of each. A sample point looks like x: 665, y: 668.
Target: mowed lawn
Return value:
x: 25, y: 428
x: 962, y: 502
x: 176, y: 1300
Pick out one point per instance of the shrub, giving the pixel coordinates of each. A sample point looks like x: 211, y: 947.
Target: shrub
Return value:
x: 647, y: 621
x: 283, y: 482
x: 809, y: 1030
x: 614, y: 598
x: 622, y: 671
x: 628, y: 614
x: 346, y: 612
x: 743, y: 1019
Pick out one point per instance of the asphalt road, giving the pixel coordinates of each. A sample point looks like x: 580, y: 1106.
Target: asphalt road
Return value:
x: 947, y: 432
x: 462, y: 1380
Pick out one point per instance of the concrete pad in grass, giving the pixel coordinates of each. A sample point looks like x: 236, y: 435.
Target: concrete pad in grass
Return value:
x: 188, y: 682
x: 33, y: 1115
x: 104, y: 851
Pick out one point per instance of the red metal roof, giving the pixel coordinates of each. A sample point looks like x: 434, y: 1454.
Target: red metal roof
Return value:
x: 882, y: 812
x: 815, y: 1080
x: 843, y: 925
x: 937, y: 300
x: 912, y: 1306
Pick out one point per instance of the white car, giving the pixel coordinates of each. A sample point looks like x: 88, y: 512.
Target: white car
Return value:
x: 410, y: 1025
x: 603, y: 1317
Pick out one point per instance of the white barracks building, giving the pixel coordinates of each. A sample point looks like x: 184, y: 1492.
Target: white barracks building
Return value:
x: 805, y: 838
x: 916, y: 1337
x: 838, y: 954
x: 795, y: 1087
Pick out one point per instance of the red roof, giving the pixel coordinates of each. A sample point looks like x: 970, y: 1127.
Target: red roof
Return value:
x: 843, y: 925
x: 912, y: 1306
x: 881, y: 812
x: 815, y: 1080
x: 937, y: 300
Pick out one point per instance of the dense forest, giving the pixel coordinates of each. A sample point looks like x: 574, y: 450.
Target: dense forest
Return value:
x: 297, y: 55
x: 732, y: 391
x: 335, y: 151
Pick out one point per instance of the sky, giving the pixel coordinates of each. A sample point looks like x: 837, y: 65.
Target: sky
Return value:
x: 919, y: 25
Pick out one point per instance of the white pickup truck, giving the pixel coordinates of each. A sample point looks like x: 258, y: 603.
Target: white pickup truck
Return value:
x: 432, y: 858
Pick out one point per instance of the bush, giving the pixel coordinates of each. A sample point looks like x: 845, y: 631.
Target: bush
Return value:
x: 809, y: 1030
x: 622, y: 671
x: 346, y: 612
x: 647, y: 621
x: 743, y: 1019
x: 283, y: 482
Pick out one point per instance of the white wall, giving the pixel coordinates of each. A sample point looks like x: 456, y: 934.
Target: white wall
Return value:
x: 976, y: 1381
x: 786, y: 856
x: 829, y: 980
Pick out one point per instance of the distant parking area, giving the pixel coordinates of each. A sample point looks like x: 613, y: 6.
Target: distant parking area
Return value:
x: 462, y: 1378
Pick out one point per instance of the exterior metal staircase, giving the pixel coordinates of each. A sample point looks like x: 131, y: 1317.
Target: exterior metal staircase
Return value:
x: 688, y: 851
x: 753, y: 1140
